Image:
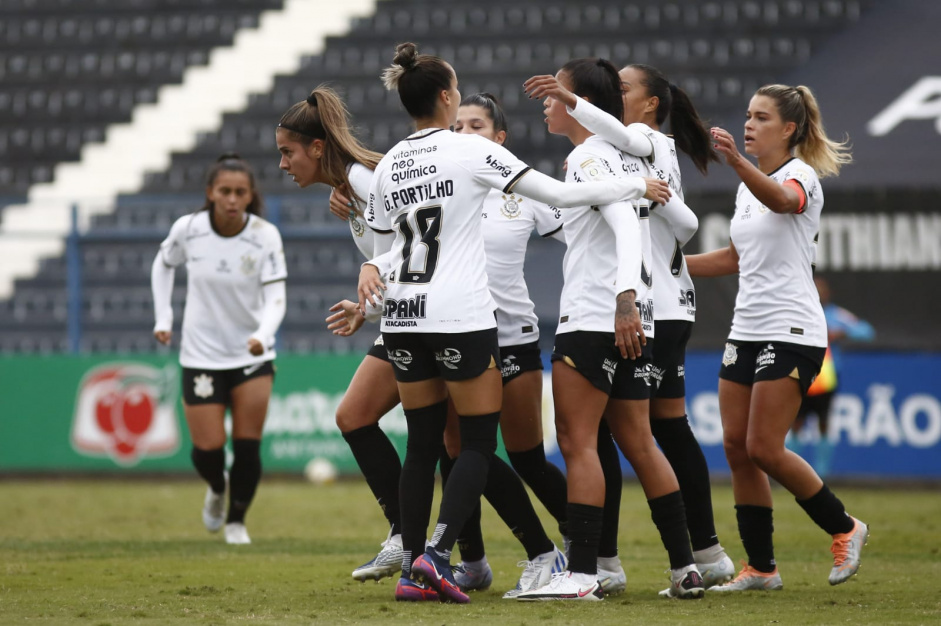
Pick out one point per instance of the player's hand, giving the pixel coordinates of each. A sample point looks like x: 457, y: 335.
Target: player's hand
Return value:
x: 547, y: 85
x: 657, y: 190
x: 255, y: 347
x: 628, y: 330
x: 341, y: 205
x: 163, y: 336
x: 370, y: 287
x: 347, y: 318
x: 724, y: 144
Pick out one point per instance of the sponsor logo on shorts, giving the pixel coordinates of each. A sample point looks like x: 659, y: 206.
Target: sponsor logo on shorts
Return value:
x: 730, y: 356
x: 656, y: 373
x: 610, y: 367
x: 449, y: 357
x: 202, y: 385
x: 379, y: 341
x: 251, y: 369
x: 680, y: 371
x: 400, y: 358
x: 509, y: 367
x: 644, y: 372
x: 765, y: 358
x: 405, y: 312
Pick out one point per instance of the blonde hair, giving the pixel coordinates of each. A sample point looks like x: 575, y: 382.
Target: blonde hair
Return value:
x: 324, y: 116
x: 809, y: 140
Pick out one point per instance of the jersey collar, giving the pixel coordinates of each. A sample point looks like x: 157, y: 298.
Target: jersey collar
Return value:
x: 425, y: 132
x: 212, y: 224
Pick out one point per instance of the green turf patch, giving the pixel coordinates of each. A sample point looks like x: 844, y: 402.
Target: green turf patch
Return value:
x: 109, y: 552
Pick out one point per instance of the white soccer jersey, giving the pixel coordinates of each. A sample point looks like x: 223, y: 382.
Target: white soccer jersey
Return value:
x: 508, y: 221
x: 777, y: 299
x: 590, y: 264
x: 365, y: 238
x: 674, y: 293
x: 224, y: 287
x: 430, y: 189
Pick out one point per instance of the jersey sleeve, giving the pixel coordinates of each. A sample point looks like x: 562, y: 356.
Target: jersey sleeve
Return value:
x: 630, y: 139
x: 273, y: 266
x: 493, y: 165
x: 805, y: 176
x: 173, y: 248
x: 548, y: 219
x: 360, y: 180
x: 376, y: 216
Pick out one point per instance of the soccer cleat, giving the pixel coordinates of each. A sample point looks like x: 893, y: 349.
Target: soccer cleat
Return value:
x: 562, y: 586
x: 612, y: 581
x: 408, y: 590
x: 538, y: 572
x: 213, y: 510
x: 436, y: 571
x: 846, y: 551
x: 750, y: 579
x: 717, y: 573
x: 387, y: 563
x: 685, y: 583
x: 473, y: 579
x: 236, y: 534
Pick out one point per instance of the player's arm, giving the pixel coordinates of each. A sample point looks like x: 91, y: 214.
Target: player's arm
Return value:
x: 161, y: 285
x: 628, y: 328
x: 599, y: 122
x: 494, y: 165
x: 680, y: 218
x: 780, y: 198
x: 721, y: 262
x: 272, y: 314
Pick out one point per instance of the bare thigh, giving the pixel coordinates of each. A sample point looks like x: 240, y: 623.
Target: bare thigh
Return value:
x: 206, y: 424
x: 579, y: 406
x: 521, y: 416
x: 372, y: 393
x: 250, y: 407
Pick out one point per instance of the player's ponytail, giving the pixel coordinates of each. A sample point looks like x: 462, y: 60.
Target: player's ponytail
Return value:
x: 598, y: 81
x: 324, y: 116
x: 232, y: 162
x: 688, y: 129
x: 809, y: 139
x: 419, y: 79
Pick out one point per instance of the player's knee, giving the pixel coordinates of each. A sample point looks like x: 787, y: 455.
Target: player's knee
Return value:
x: 736, y: 452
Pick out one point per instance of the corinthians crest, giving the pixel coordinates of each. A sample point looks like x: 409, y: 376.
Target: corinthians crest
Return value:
x: 511, y: 206
x: 357, y: 227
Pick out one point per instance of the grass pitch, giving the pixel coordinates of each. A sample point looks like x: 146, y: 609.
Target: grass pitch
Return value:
x: 109, y: 552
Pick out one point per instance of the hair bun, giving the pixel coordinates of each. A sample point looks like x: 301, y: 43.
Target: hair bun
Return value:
x: 229, y: 156
x: 406, y: 55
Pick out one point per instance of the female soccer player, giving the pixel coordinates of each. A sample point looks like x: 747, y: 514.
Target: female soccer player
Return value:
x: 602, y: 350
x: 508, y: 220
x: 438, y: 318
x: 317, y: 146
x: 235, y: 303
x: 649, y: 99
x: 779, y: 334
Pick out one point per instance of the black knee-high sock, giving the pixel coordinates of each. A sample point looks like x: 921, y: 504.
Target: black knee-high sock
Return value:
x: 417, y: 480
x: 506, y: 493
x: 755, y: 526
x: 380, y: 465
x: 546, y: 480
x: 470, y: 541
x: 210, y: 465
x: 679, y: 445
x: 243, y: 477
x: 828, y: 512
x: 468, y: 478
x: 669, y: 515
x: 584, y: 531
x: 613, y: 484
